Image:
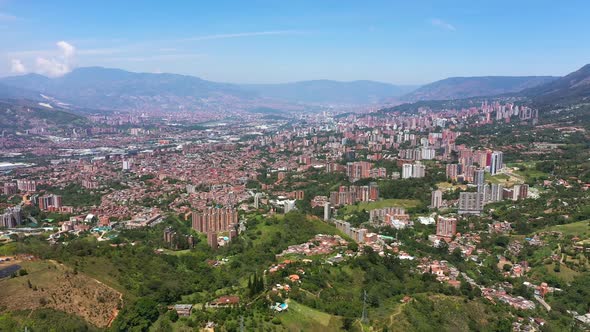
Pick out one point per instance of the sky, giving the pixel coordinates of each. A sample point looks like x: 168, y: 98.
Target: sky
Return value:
x: 402, y: 42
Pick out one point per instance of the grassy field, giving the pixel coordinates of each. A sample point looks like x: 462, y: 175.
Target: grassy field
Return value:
x: 43, y: 320
x: 265, y: 231
x: 298, y: 318
x: 580, y: 228
x: 176, y: 252
x: 440, y: 313
x: 302, y: 318
x: 499, y: 179
x: 52, y: 285
x: 529, y: 170
x: 565, y: 273
x: 449, y: 186
x: 405, y: 203
x: 101, y: 269
x: 8, y: 249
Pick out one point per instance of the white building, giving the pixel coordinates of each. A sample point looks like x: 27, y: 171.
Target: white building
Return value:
x: 406, y: 171
x: 496, y: 163
x: 327, y: 211
x: 436, y: 200
x: 289, y: 205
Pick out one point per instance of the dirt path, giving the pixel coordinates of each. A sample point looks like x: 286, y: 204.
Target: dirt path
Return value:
x: 398, y: 310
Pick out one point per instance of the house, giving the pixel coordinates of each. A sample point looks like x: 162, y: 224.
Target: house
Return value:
x: 225, y: 301
x: 183, y: 310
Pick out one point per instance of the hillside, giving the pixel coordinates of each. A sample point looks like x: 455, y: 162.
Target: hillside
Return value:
x: 448, y: 313
x: 8, y: 91
x: 106, y: 88
x: 574, y: 87
x: 52, y: 285
x: 25, y: 114
x: 326, y: 91
x: 467, y: 87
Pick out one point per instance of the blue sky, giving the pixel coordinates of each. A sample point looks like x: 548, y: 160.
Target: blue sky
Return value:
x: 404, y: 42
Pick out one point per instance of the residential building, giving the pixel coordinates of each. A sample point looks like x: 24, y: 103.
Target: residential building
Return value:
x: 10, y: 188
x: 358, y: 170
x: 496, y: 163
x: 436, y: 199
x: 214, y: 220
x: 11, y: 217
x: 26, y: 185
x: 212, y: 240
x: 327, y: 211
x: 446, y: 227
x: 470, y: 203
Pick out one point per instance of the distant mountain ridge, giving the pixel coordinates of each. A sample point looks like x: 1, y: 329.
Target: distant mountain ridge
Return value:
x: 117, y: 89
x: 328, y: 91
x: 107, y: 88
x: 572, y: 88
x: 98, y: 87
x: 467, y: 87
x: 20, y: 115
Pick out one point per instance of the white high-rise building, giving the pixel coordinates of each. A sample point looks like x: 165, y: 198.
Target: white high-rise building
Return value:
x: 496, y: 164
x: 289, y: 205
x: 257, y: 200
x: 428, y: 153
x: 418, y: 170
x: 406, y: 171
x: 127, y: 165
x: 327, y: 211
x: 516, y: 192
x: 479, y: 178
x: 436, y: 201
x: 497, y: 192
x: 191, y: 188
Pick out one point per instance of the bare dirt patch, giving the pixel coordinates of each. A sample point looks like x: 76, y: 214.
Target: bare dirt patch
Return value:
x: 52, y: 285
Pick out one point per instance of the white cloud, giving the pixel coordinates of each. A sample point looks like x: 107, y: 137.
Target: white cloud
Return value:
x: 157, y: 57
x: 17, y: 67
x: 67, y: 48
x: 58, y: 65
x: 51, y: 67
x: 4, y: 17
x: 242, y: 34
x: 442, y: 24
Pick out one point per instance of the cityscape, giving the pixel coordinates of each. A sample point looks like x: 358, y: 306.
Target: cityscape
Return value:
x: 140, y: 200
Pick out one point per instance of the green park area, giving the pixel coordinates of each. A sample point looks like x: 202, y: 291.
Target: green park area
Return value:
x: 580, y: 229
x: 405, y: 203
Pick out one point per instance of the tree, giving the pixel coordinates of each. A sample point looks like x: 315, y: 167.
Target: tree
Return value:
x: 173, y: 315
x: 138, y: 316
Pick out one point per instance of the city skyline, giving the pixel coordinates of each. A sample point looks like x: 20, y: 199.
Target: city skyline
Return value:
x: 264, y: 42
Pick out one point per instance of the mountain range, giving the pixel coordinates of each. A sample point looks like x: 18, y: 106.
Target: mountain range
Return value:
x: 467, y: 87
x: 335, y: 92
x: 105, y: 88
x: 572, y: 88
x: 116, y: 89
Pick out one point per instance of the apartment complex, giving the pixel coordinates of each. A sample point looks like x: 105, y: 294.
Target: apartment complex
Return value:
x: 446, y: 227
x: 11, y: 217
x: 353, y: 194
x: 214, y: 220
x: 471, y: 202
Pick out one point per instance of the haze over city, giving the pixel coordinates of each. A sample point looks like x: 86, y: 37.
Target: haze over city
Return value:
x: 288, y: 166
x: 413, y: 42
